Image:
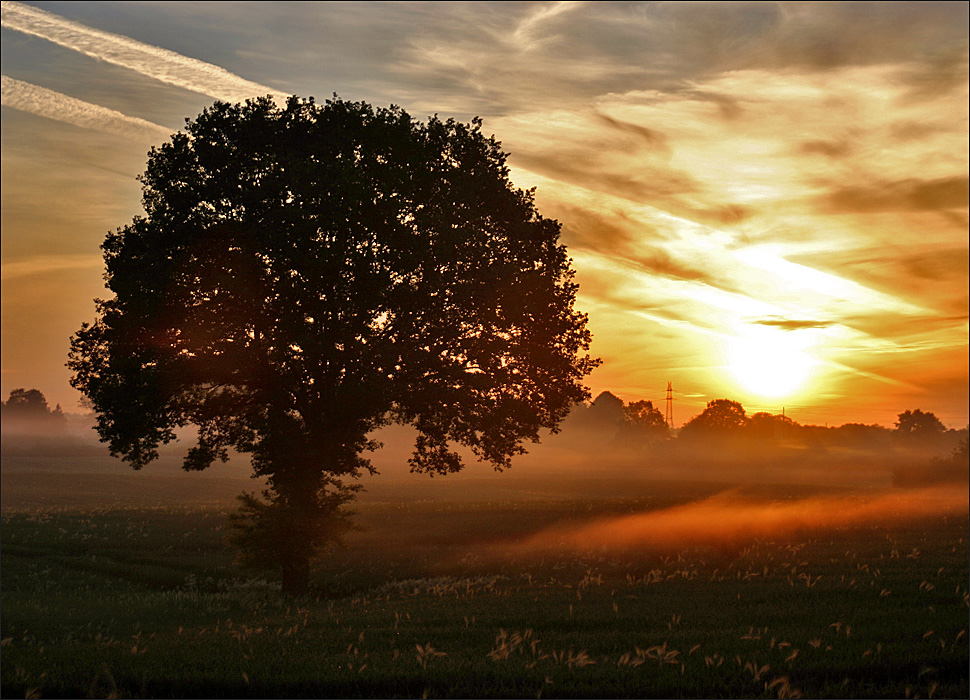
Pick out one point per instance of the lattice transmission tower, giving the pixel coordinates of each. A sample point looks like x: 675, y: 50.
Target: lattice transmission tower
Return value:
x: 669, y: 414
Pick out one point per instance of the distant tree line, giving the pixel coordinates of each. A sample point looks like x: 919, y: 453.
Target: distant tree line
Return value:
x: 724, y: 419
x: 927, y: 450
x: 724, y: 431
x: 27, y: 411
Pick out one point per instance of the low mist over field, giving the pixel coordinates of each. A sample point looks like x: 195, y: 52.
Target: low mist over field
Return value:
x: 730, y: 518
x: 601, y: 451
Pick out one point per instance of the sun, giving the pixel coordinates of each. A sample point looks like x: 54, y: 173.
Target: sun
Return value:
x: 770, y: 362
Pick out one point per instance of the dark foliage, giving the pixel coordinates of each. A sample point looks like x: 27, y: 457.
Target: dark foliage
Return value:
x: 304, y: 275
x: 768, y: 428
x: 27, y: 411
x: 915, y: 427
x: 721, y: 419
x: 643, y: 423
x: 606, y: 413
x: 269, y: 534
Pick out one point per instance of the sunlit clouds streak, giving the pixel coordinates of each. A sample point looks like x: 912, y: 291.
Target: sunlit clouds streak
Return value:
x: 524, y: 35
x: 55, y: 105
x: 741, y: 173
x: 48, y: 264
x: 768, y: 259
x: 775, y: 330
x: 152, y: 61
x: 737, y: 182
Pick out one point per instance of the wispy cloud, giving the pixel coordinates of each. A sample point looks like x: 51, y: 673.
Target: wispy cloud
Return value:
x: 727, y: 174
x: 152, y: 61
x: 910, y: 194
x: 55, y: 105
x: 47, y: 264
x: 791, y: 324
x: 525, y: 33
x: 768, y: 260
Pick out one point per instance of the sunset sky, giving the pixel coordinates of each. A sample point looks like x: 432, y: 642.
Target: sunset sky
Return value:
x: 764, y: 201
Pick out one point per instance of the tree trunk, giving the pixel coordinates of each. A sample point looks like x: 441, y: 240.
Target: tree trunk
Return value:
x: 296, y: 576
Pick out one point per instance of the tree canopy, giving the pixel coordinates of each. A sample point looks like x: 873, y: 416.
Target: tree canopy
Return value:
x: 919, y: 425
x: 306, y: 274
x: 26, y: 410
x: 27, y: 403
x: 643, y: 423
x: 721, y: 417
x: 919, y: 430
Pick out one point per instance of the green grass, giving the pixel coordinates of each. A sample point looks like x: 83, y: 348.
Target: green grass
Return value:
x: 146, y: 603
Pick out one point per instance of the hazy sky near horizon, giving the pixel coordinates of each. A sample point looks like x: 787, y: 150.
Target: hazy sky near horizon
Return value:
x: 764, y: 201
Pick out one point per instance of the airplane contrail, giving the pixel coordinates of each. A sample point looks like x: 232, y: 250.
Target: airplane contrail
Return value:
x: 34, y: 99
x: 152, y: 61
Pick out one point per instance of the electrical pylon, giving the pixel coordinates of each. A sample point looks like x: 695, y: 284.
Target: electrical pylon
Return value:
x: 669, y: 415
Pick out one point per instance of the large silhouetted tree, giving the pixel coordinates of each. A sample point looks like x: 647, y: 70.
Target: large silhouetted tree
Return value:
x: 306, y: 274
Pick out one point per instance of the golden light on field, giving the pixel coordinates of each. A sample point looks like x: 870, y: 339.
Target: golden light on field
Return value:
x: 729, y: 516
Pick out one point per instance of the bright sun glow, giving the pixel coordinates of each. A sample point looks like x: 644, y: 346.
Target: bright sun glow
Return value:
x: 770, y: 362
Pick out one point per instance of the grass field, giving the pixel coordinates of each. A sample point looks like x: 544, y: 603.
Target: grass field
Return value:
x: 432, y: 600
